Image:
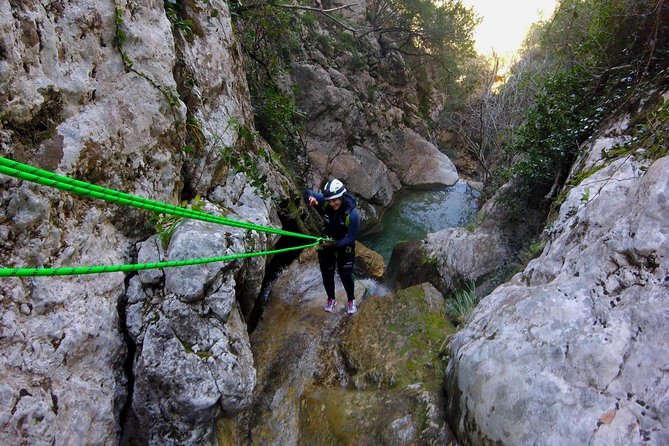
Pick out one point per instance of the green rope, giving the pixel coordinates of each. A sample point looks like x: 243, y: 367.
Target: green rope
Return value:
x: 22, y: 272
x: 43, y: 177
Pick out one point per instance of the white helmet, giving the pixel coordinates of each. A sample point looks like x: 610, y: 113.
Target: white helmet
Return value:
x: 333, y: 189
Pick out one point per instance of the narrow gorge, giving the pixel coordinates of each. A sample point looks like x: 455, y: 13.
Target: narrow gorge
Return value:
x: 233, y: 109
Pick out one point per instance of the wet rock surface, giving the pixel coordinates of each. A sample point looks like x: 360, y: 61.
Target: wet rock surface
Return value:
x: 332, y: 378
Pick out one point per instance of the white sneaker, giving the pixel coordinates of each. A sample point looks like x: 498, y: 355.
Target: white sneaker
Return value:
x: 352, y: 309
x: 330, y: 305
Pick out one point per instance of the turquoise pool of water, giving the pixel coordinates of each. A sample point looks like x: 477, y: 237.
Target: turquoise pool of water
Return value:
x: 415, y: 213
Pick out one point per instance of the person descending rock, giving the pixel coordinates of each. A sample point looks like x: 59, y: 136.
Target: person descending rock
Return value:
x: 341, y: 223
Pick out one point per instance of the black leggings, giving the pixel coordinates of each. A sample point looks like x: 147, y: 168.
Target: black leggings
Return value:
x: 343, y: 257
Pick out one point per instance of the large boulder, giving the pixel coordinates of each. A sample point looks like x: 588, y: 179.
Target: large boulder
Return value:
x: 463, y: 255
x: 416, y: 161
x: 360, y: 125
x: 188, y: 326
x: 574, y: 349
x: 368, y: 263
x: 193, y: 365
x: 410, y: 264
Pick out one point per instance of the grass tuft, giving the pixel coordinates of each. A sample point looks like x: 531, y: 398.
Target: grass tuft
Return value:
x: 460, y: 306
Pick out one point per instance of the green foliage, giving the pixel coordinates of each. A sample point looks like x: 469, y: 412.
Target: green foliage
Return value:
x: 195, y: 132
x: 577, y: 70
x: 166, y: 224
x: 309, y: 19
x: 358, y: 62
x: 427, y: 260
x: 336, y: 43
x: 244, y: 156
x: 325, y: 44
x: 650, y: 139
x: 423, y: 333
x: 277, y: 117
x: 175, y: 15
x: 531, y: 251
x: 581, y: 176
x: 460, y: 306
x: 120, y: 34
x: 442, y: 30
x: 555, y: 125
x: 477, y: 221
x: 270, y: 37
x: 599, y: 34
x: 435, y: 38
x: 572, y: 182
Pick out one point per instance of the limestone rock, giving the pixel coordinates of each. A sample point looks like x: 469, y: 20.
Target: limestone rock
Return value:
x: 198, y: 240
x: 461, y: 255
x: 356, y: 127
x: 190, y: 334
x: 397, y: 339
x: 333, y: 415
x: 191, y: 368
x: 416, y: 161
x: 293, y: 328
x: 151, y: 251
x: 581, y: 331
x: 71, y: 104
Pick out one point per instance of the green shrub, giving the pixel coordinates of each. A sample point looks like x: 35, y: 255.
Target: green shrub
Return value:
x: 270, y: 40
x: 531, y: 251
x: 244, y: 155
x: 477, y: 221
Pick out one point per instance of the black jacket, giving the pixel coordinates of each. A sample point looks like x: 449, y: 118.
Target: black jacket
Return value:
x: 341, y: 225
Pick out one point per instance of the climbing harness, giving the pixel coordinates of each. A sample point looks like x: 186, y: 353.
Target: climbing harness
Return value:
x: 46, y: 178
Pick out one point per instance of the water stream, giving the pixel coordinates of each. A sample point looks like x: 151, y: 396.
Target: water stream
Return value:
x: 415, y: 213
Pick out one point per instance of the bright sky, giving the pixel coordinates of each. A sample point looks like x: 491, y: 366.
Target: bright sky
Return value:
x: 505, y: 22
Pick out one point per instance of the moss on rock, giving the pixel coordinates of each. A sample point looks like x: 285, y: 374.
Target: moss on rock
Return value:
x: 398, y: 339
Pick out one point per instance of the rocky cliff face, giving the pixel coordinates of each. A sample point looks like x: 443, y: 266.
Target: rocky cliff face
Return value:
x: 89, y: 90
x: 573, y: 350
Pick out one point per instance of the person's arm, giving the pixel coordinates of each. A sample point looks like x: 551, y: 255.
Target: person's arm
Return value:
x: 352, y: 233
x: 308, y: 194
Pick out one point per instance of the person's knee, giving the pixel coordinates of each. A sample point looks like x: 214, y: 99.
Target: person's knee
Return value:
x: 346, y: 271
x: 327, y: 269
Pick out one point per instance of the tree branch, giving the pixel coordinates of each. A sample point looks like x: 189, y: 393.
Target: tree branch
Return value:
x: 311, y: 8
x: 325, y: 13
